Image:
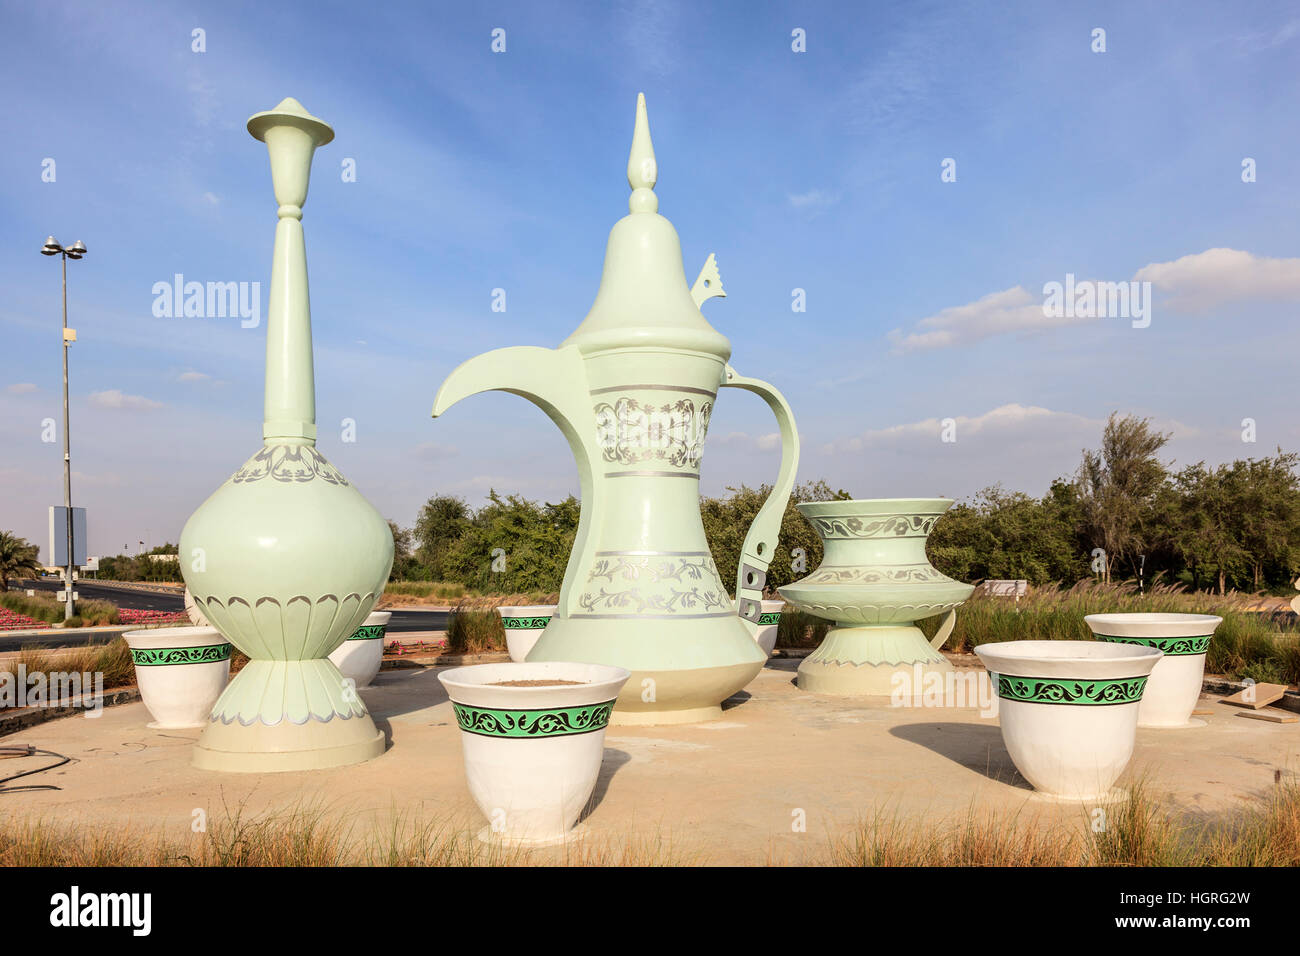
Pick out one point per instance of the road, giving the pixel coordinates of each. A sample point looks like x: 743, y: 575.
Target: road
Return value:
x: 403, y: 620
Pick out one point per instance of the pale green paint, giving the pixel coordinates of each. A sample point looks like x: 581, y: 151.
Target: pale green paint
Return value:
x: 874, y: 582
x: 632, y: 389
x: 287, y: 558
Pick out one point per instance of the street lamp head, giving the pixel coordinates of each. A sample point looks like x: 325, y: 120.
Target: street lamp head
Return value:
x: 51, y: 247
x: 76, y: 250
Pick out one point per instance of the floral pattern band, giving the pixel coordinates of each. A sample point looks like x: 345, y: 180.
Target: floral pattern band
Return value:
x: 550, y: 722
x: 1055, y: 690
x: 1172, y: 646
x: 158, y: 656
x: 524, y: 623
x: 368, y: 632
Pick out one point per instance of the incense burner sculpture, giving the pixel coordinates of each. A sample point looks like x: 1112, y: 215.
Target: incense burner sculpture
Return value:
x: 875, y: 582
x: 287, y: 558
x: 632, y: 389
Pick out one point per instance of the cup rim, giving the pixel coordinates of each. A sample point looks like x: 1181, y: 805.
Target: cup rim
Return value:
x: 527, y: 610
x: 189, y: 635
x: 1153, y: 624
x: 873, y: 507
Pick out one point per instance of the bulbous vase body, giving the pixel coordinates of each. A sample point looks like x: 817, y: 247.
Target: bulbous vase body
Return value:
x: 287, y: 559
x: 874, y: 582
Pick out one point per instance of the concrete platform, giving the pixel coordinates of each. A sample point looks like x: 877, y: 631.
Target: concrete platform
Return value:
x: 727, y: 792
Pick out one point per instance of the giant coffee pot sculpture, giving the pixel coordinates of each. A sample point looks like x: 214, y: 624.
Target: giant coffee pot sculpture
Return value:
x: 287, y: 558
x: 632, y: 389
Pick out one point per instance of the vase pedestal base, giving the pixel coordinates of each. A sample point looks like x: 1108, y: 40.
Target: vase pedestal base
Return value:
x: 884, y: 661
x: 264, y: 761
x: 287, y: 715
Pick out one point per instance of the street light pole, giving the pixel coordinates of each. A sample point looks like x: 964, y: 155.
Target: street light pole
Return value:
x: 75, y: 251
x: 67, y: 450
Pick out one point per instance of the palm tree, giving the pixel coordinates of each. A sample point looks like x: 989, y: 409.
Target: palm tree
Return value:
x: 17, y: 557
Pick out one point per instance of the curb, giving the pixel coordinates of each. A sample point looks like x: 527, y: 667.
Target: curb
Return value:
x: 106, y: 629
x: 422, y: 661
x: 17, y: 720
x: 176, y: 589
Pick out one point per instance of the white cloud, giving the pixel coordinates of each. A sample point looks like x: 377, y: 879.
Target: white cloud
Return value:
x: 113, y: 398
x: 192, y: 376
x: 212, y: 199
x: 1007, y: 422
x: 20, y: 388
x: 813, y: 199
x: 1194, y: 283
x: 744, y: 439
x: 1201, y: 281
x: 998, y: 313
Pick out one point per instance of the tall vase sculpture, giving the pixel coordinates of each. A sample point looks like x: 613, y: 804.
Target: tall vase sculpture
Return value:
x: 632, y: 389
x: 875, y: 582
x: 287, y: 558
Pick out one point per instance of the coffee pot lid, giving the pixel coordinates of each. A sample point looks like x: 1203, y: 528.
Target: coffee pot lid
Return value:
x: 644, y: 299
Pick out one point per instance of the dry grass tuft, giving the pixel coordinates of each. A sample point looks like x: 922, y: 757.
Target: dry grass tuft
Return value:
x: 1137, y: 833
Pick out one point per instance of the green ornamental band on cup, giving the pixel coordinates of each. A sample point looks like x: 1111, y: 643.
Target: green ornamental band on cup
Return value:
x: 1172, y: 646
x: 524, y: 623
x: 554, y: 722
x: 166, y: 656
x: 1053, y: 690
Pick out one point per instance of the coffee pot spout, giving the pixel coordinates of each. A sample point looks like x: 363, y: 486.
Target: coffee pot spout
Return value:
x: 554, y: 380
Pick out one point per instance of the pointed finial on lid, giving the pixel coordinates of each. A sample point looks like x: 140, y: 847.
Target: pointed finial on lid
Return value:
x: 642, y: 171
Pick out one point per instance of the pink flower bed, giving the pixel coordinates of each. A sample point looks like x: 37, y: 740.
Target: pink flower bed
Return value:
x: 13, y: 621
x: 132, y: 616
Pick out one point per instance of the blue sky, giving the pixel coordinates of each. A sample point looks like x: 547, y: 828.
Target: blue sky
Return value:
x: 818, y: 170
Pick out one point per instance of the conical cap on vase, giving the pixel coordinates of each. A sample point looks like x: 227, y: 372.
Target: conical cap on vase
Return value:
x: 291, y: 135
x: 644, y: 298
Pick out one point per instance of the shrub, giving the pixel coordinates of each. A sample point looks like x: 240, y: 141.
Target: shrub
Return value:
x: 475, y: 632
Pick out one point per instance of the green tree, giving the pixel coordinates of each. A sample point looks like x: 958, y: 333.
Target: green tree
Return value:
x: 18, y: 558
x: 1207, y: 533
x: 727, y: 520
x: 1270, y: 516
x: 1001, y: 534
x: 441, y: 522
x: 1117, y: 487
x: 404, y: 565
x: 513, y: 545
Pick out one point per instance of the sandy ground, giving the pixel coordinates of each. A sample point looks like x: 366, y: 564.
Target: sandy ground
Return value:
x: 729, y: 791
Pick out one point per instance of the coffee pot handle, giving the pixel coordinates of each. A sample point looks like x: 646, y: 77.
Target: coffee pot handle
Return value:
x: 945, y: 630
x: 760, y: 542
